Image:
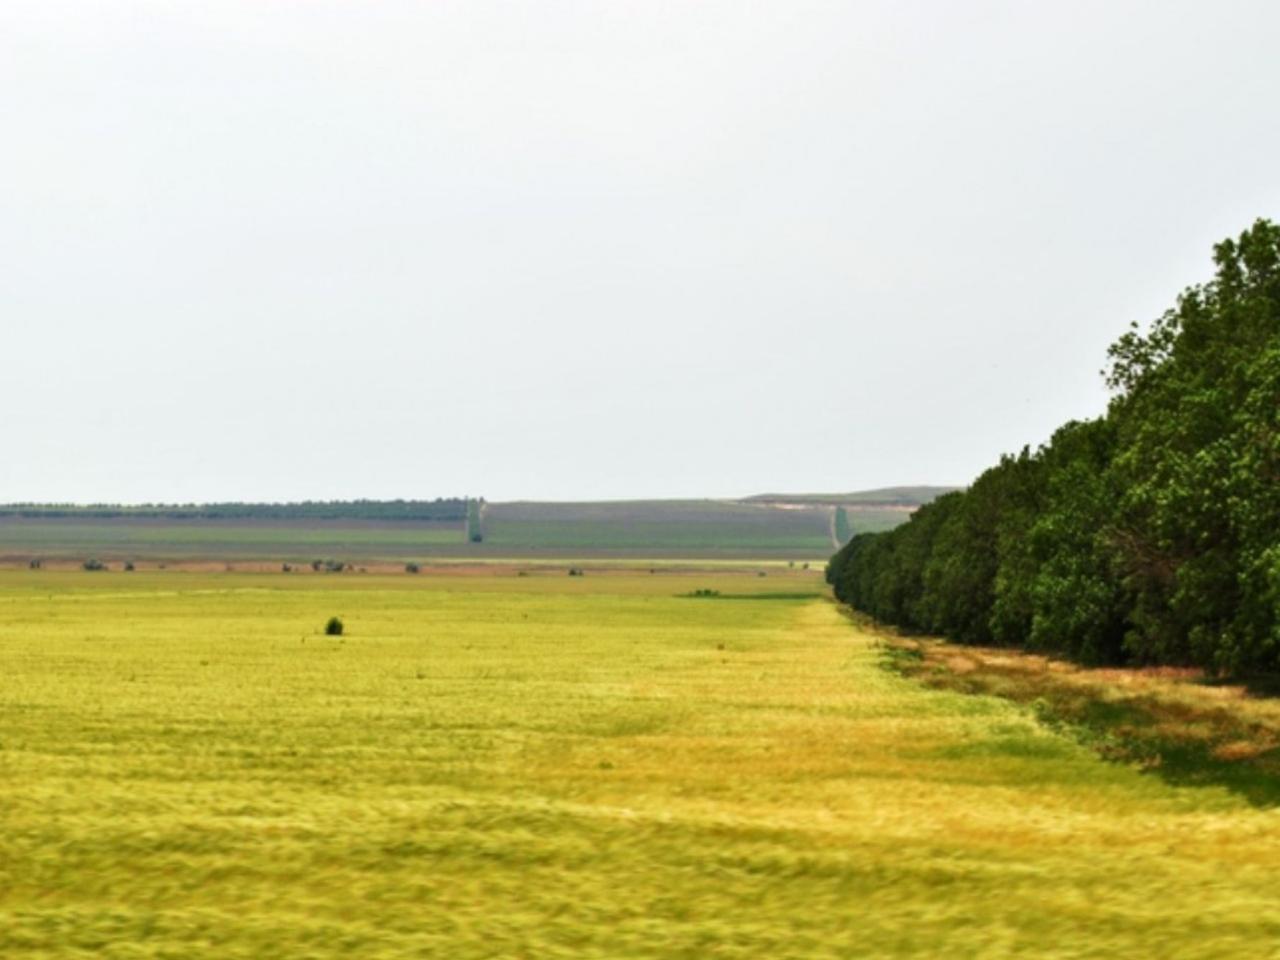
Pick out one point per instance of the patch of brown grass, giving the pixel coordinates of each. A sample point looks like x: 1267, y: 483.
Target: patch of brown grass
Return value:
x: 1167, y: 718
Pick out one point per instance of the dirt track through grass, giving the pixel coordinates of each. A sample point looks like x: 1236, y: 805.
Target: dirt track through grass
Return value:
x: 555, y: 767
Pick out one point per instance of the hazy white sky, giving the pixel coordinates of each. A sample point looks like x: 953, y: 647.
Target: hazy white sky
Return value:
x: 281, y: 249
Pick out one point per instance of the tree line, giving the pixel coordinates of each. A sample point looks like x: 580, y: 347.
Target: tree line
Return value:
x: 441, y: 509
x: 1148, y: 535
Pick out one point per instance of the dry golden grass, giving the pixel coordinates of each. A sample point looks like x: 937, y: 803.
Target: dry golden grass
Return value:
x: 1173, y: 718
x: 493, y: 766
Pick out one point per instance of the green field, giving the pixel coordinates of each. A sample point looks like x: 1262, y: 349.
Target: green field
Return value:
x: 706, y: 527
x: 127, y: 538
x: 638, y: 528
x: 545, y: 766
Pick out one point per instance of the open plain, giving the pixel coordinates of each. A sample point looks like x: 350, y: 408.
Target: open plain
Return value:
x: 522, y: 763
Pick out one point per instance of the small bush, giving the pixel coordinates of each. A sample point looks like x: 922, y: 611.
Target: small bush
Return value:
x: 36, y: 564
x: 316, y: 565
x: 128, y: 566
x: 705, y: 592
x: 577, y: 572
x: 411, y: 568
x: 333, y: 628
x: 94, y: 564
x: 286, y: 568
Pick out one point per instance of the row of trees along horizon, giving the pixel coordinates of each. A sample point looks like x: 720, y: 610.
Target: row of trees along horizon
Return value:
x: 1148, y: 535
x: 441, y: 509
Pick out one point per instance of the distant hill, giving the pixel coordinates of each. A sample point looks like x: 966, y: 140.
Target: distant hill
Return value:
x: 881, y: 497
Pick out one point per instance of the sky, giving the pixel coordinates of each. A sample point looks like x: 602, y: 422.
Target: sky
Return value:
x: 284, y: 250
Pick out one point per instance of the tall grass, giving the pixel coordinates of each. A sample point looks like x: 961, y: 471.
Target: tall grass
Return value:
x: 562, y: 767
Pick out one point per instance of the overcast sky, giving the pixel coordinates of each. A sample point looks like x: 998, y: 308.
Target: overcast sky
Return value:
x: 281, y: 249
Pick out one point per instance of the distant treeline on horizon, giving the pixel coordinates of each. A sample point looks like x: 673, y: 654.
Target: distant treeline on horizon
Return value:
x: 1148, y: 535
x: 441, y: 509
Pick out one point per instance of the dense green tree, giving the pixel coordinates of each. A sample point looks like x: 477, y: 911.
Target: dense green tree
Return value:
x: 1152, y: 533
x: 1078, y: 600
x: 1196, y: 464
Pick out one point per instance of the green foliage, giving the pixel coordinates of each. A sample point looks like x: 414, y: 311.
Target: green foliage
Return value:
x: 94, y: 564
x: 1078, y: 599
x: 411, y: 567
x: 1148, y: 534
x: 333, y: 627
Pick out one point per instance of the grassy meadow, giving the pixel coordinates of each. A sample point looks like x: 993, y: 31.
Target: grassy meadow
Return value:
x: 709, y: 527
x: 494, y: 765
x: 800, y: 528
x: 223, y: 540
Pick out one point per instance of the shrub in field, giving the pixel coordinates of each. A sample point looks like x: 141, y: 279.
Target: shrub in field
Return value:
x: 334, y: 627
x: 94, y: 564
x: 411, y: 568
x: 128, y: 566
x: 286, y: 568
x: 577, y: 572
x: 35, y: 564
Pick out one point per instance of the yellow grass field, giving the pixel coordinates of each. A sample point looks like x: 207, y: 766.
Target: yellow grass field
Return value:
x: 488, y: 765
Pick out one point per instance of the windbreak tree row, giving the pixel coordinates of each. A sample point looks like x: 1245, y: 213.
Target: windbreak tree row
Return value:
x: 438, y: 510
x: 1148, y: 535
